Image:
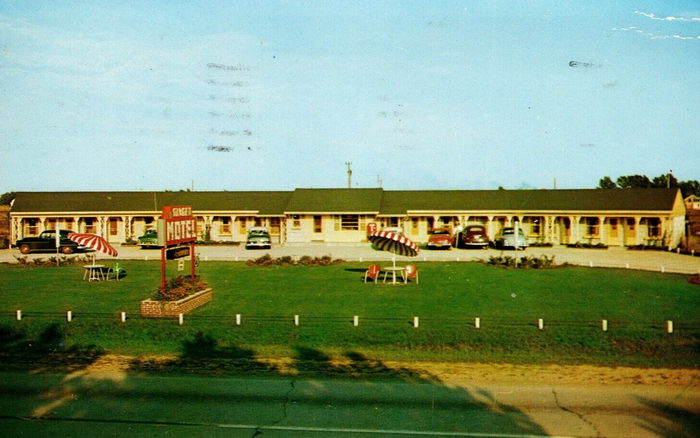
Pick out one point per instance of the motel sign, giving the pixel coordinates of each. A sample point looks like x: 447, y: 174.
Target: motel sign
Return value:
x: 177, y: 226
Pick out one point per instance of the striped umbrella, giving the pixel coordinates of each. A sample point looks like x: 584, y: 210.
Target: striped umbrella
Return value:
x: 394, y: 243
x: 93, y: 241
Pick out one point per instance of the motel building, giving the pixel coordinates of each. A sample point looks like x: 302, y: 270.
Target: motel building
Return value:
x: 613, y: 217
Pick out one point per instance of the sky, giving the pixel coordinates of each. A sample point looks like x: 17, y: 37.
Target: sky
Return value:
x: 278, y: 95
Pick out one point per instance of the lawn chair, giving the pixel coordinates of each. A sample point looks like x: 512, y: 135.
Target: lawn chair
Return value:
x: 372, y: 273
x: 118, y: 271
x: 411, y: 272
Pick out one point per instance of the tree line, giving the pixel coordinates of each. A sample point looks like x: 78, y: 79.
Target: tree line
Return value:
x: 690, y: 187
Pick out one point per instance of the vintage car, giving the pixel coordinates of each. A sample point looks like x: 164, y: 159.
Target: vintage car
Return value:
x: 440, y: 238
x: 46, y: 241
x: 149, y: 239
x: 258, y: 238
x: 473, y: 236
x: 507, y: 239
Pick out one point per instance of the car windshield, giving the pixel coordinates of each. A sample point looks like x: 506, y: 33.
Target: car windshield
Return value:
x: 255, y: 233
x: 442, y: 232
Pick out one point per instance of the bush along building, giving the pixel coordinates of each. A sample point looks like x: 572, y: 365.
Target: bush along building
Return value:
x: 621, y: 217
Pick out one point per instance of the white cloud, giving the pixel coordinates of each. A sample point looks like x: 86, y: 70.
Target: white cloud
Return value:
x: 670, y: 18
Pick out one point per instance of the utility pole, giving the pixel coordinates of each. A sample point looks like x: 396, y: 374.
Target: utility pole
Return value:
x: 349, y: 163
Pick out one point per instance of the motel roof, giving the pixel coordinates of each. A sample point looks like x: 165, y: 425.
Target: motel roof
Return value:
x: 352, y: 201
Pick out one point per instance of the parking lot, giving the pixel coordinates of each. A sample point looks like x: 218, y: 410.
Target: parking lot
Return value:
x: 660, y: 261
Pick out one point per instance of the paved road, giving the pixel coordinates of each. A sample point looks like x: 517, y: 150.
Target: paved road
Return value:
x: 82, y: 404
x: 612, y: 257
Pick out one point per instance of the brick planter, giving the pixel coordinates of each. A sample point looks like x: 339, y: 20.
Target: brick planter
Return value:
x: 169, y: 309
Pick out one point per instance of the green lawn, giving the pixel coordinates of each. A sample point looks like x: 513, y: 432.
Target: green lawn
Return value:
x: 571, y: 300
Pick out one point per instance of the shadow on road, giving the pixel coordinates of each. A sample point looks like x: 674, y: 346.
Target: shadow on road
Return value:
x: 670, y: 421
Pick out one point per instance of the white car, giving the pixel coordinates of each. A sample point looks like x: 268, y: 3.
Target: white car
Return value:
x: 507, y: 239
x: 258, y: 238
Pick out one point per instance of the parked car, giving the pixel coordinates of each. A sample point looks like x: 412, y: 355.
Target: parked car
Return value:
x: 149, y: 239
x: 46, y: 241
x: 473, y: 236
x: 507, y: 239
x: 440, y: 238
x: 258, y: 238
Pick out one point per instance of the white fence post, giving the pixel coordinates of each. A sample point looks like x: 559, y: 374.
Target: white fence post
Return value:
x: 540, y: 324
x: 605, y: 325
x: 69, y: 316
x: 122, y: 316
x: 19, y: 315
x: 415, y: 322
x: 180, y: 319
x: 669, y: 326
x: 355, y: 321
x: 296, y: 320
x: 477, y: 322
x: 238, y: 319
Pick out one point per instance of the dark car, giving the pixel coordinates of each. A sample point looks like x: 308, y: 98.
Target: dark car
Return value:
x: 473, y: 236
x: 46, y: 241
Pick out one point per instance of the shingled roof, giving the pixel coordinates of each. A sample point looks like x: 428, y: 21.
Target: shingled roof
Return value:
x: 357, y: 201
x: 263, y: 203
x: 398, y: 202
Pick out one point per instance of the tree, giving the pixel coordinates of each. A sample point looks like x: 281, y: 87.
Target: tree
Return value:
x: 690, y: 187
x: 633, y: 182
x: 6, y: 198
x: 667, y: 180
x: 606, y: 183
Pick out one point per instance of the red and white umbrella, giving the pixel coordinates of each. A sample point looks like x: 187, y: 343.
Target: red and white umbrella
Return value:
x: 394, y: 243
x: 93, y: 241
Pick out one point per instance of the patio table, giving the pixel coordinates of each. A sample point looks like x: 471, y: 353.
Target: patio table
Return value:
x: 393, y: 270
x: 96, y: 272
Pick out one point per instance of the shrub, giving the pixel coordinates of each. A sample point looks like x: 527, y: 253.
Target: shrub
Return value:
x: 180, y: 287
x: 52, y: 261
x: 267, y: 260
x: 525, y: 262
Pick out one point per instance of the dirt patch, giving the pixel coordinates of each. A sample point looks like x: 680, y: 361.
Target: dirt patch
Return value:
x: 448, y: 373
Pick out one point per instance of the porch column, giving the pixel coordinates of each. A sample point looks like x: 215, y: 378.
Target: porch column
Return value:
x: 638, y: 231
x: 102, y: 223
x: 16, y: 231
x: 573, y: 232
x: 602, y: 230
x: 76, y: 221
x: 126, y: 224
x: 489, y: 226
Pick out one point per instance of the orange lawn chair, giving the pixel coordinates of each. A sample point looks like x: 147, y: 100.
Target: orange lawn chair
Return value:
x: 411, y: 272
x: 372, y: 273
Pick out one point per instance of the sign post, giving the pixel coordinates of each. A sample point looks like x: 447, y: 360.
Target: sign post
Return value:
x: 176, y: 227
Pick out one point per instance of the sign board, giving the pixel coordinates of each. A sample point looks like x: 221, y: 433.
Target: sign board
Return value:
x: 177, y: 226
x: 177, y: 252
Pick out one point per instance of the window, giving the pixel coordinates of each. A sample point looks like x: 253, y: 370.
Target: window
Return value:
x: 654, y: 228
x: 392, y: 222
x: 349, y: 222
x: 275, y: 226
x: 90, y: 226
x: 591, y: 226
x: 225, y: 225
x: 296, y: 222
x: 318, y: 224
x: 68, y: 223
x: 51, y: 224
x: 242, y: 226
x: 31, y: 227
x: 414, y: 225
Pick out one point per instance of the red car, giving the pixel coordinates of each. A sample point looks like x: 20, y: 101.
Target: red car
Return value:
x: 441, y: 238
x: 473, y: 236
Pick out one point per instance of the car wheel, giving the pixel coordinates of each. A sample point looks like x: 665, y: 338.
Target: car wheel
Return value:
x: 25, y: 249
x: 67, y: 250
